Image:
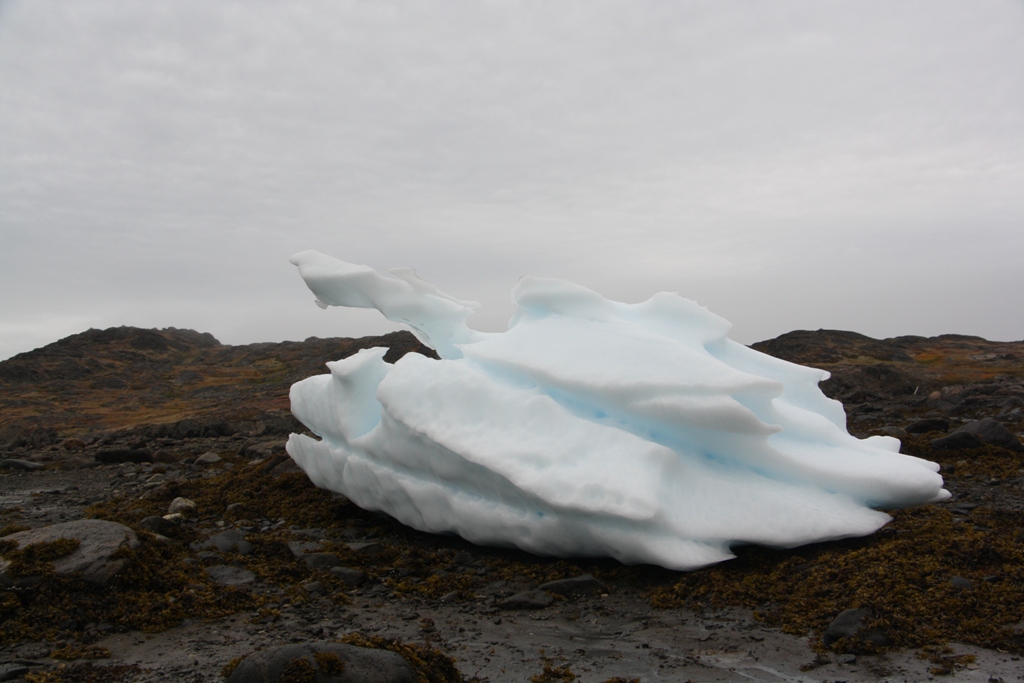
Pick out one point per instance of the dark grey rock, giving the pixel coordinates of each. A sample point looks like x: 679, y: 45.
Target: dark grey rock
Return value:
x: 535, y: 599
x: 961, y: 583
x: 12, y: 670
x: 847, y: 625
x: 230, y: 541
x: 98, y: 541
x: 135, y: 455
x: 897, y: 432
x: 957, y: 441
x: 929, y: 424
x: 978, y: 432
x: 851, y: 624
x: 158, y: 525
x: 357, y: 664
x: 321, y: 560
x: 584, y: 584
x: 300, y: 548
x: 366, y: 547
x: 285, y: 466
x: 230, y: 576
x: 992, y: 432
x: 259, y: 450
x: 352, y: 577
x: 16, y: 464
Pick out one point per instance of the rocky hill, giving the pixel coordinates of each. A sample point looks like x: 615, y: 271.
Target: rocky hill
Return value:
x: 178, y: 381
x: 892, y: 380
x: 181, y: 382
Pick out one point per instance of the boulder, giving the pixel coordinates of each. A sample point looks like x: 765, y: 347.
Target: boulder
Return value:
x: 16, y: 464
x: 158, y: 525
x: 227, y: 575
x: 98, y: 541
x: 323, y: 663
x: 852, y: 624
x: 352, y: 577
x: 978, y: 432
x: 208, y: 458
x: 321, y: 560
x: 230, y: 541
x: 182, y: 505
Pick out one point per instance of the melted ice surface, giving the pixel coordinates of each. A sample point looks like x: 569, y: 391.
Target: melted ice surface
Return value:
x: 590, y: 427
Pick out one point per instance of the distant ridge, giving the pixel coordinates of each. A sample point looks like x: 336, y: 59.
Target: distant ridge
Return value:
x: 124, y: 377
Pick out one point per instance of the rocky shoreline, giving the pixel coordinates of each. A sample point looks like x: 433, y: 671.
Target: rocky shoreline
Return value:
x: 179, y: 440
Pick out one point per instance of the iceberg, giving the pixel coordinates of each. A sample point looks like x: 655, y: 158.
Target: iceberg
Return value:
x: 589, y: 428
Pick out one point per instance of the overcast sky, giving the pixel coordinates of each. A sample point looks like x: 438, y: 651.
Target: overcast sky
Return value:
x: 789, y: 165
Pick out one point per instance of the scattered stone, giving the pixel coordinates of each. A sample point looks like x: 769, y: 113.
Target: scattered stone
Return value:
x: 99, y: 540
x: 12, y: 670
x: 535, y: 599
x: 353, y: 577
x: 326, y: 662
x: 957, y: 441
x: 897, y: 432
x: 312, y: 587
x: 851, y: 623
x: 978, y: 432
x: 208, y: 458
x: 286, y: 466
x: 136, y: 455
x: 158, y: 525
x: 230, y: 541
x: 183, y: 506
x: 961, y: 583
x: 930, y: 424
x: 301, y: 548
x: 259, y: 450
x: 367, y: 547
x: 165, y: 457
x: 462, y: 558
x: 321, y: 560
x: 16, y: 464
x: 227, y: 575
x: 584, y: 584
x: 176, y: 518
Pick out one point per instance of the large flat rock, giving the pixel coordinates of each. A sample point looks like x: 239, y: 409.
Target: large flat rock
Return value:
x: 94, y: 559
